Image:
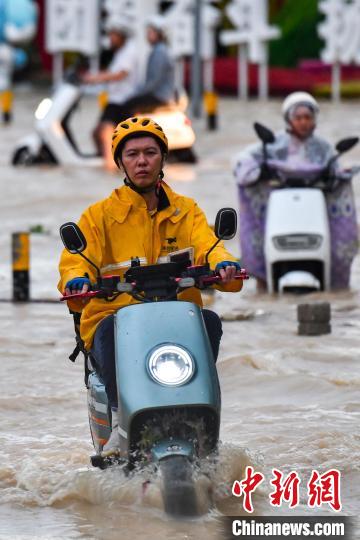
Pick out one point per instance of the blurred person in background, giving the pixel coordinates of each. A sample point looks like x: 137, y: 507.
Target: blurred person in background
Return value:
x: 159, y: 86
x: 121, y: 79
x: 297, y: 146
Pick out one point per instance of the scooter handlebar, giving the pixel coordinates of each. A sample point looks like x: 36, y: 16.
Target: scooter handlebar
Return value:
x: 74, y: 296
x: 123, y: 287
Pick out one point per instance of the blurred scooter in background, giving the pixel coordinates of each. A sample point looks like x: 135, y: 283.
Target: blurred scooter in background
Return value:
x: 53, y: 142
x: 297, y: 238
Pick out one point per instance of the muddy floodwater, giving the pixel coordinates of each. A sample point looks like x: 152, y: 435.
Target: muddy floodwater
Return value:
x: 288, y: 402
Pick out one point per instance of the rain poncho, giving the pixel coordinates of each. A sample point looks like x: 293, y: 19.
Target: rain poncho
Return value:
x: 295, y: 154
x: 119, y: 228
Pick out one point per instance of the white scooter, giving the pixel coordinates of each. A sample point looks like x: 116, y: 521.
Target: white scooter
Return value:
x: 297, y: 244
x: 53, y: 142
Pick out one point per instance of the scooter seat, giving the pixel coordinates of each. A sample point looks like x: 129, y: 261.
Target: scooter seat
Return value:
x: 168, y: 107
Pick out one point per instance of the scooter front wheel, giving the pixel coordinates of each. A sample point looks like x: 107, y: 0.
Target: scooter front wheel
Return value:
x: 23, y: 156
x: 178, y: 487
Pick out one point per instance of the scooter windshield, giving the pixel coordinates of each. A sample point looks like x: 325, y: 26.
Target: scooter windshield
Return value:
x: 307, y: 171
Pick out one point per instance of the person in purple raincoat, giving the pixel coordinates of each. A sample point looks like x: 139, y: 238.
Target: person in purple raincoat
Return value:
x: 295, y: 147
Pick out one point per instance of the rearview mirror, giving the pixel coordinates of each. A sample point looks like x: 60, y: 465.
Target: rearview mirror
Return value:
x: 264, y: 133
x: 346, y: 144
x: 226, y: 224
x: 72, y: 237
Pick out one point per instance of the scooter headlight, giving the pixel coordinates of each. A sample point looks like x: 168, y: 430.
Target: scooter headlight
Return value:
x: 171, y: 365
x: 43, y: 108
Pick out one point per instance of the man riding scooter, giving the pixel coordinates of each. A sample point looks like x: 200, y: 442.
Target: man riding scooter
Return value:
x: 297, y: 148
x: 144, y: 219
x: 121, y: 79
x: 53, y: 140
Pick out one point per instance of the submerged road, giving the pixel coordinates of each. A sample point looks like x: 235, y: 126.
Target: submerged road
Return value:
x: 289, y: 402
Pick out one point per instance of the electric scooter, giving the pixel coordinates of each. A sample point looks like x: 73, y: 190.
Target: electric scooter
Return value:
x: 167, y: 383
x: 53, y: 142
x: 297, y: 243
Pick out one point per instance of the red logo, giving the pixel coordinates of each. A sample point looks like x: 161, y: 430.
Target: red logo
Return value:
x: 325, y: 488
x: 247, y: 486
x: 287, y: 489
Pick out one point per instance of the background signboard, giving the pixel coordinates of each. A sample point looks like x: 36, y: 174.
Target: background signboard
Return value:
x: 72, y: 25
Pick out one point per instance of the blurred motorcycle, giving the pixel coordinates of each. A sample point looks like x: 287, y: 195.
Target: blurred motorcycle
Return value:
x: 53, y: 142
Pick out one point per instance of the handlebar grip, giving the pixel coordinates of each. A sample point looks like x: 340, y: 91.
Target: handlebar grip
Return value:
x: 89, y: 294
x: 242, y: 274
x: 217, y: 278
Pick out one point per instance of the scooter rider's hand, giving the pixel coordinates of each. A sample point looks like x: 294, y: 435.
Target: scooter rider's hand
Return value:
x: 227, y: 270
x: 77, y: 285
x: 90, y: 78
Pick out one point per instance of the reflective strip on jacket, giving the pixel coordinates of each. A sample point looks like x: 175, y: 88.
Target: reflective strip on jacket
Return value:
x: 120, y: 228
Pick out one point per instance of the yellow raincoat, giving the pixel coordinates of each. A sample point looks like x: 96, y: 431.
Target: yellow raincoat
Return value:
x: 119, y: 228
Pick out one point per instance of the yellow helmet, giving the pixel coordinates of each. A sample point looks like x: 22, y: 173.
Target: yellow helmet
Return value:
x: 137, y: 126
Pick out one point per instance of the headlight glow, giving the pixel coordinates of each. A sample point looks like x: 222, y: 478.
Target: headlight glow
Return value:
x: 43, y: 108
x: 171, y: 365
x: 297, y: 241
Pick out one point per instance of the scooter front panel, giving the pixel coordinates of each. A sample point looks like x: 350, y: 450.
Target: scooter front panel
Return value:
x: 142, y: 328
x: 296, y: 213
